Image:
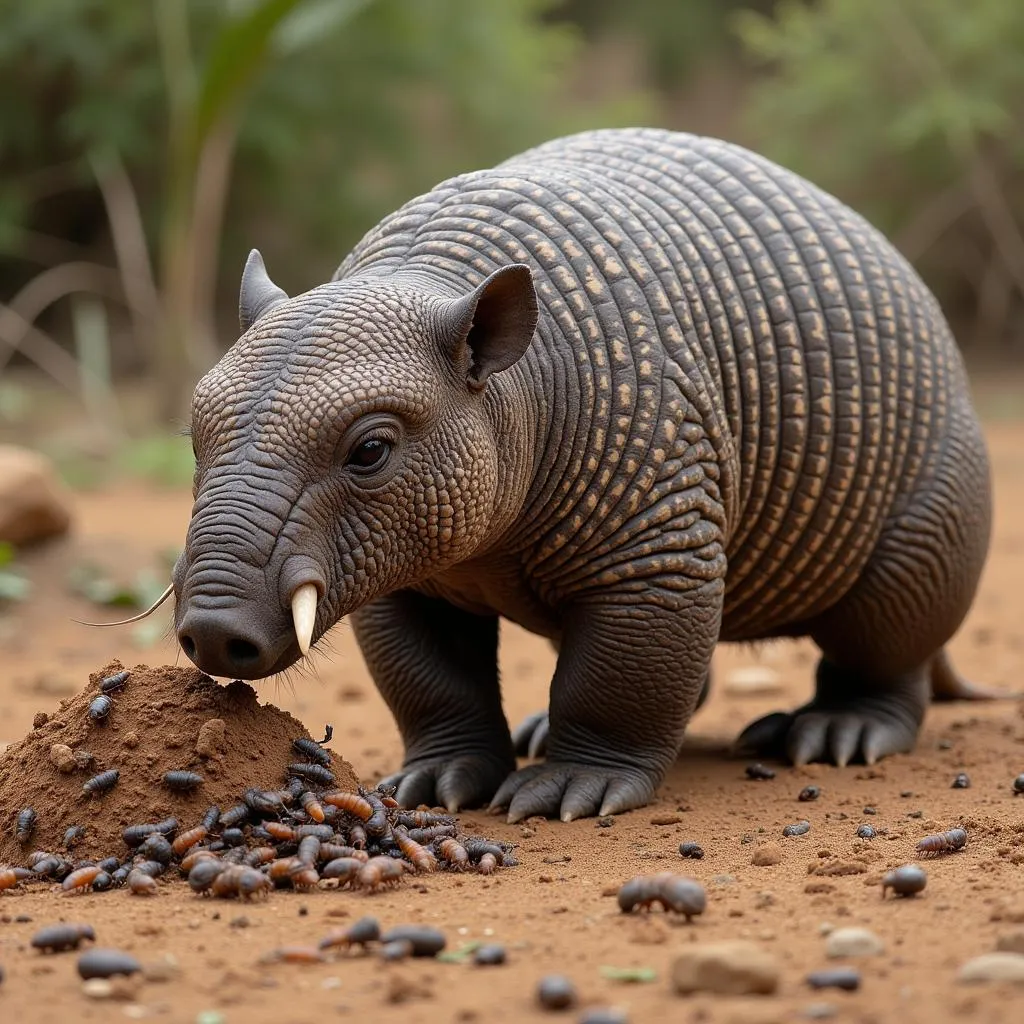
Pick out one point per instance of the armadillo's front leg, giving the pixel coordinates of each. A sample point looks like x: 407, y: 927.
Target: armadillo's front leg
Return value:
x: 628, y: 678
x: 437, y: 668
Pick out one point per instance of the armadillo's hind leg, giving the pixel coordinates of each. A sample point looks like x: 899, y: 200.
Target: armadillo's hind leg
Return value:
x: 851, y: 718
x: 948, y: 684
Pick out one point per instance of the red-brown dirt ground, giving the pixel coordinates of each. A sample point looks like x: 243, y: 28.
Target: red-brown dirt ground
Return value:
x: 550, y: 912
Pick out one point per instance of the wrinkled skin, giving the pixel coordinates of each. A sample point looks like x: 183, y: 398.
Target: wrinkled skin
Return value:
x: 637, y: 392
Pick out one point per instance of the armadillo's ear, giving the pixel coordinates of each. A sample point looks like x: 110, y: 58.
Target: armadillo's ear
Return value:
x: 494, y: 322
x: 258, y: 294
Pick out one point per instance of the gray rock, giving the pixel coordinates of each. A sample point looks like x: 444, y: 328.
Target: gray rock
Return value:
x: 729, y: 968
x: 34, y: 504
x: 993, y: 967
x: 853, y: 942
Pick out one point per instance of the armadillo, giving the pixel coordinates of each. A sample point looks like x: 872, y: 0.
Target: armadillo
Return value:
x: 637, y: 391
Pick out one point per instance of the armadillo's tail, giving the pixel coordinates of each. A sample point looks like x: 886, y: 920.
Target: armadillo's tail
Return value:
x: 948, y: 684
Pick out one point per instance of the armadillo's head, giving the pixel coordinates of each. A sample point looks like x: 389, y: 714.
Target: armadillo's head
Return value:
x: 345, y: 448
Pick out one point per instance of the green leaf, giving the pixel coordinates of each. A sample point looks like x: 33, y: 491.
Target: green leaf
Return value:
x: 13, y: 587
x: 631, y: 974
x: 460, y: 955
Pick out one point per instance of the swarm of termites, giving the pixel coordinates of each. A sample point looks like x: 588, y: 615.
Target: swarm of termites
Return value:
x: 673, y: 892
x: 305, y: 835
x: 944, y: 842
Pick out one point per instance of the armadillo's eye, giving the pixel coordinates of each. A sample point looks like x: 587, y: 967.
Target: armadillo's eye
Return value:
x: 369, y: 455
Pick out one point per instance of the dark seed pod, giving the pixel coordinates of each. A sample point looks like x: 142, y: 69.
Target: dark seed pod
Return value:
x: 808, y: 793
x: 489, y: 955
x: 801, y: 828
x: 111, y: 684
x: 945, y: 842
x: 556, y: 992
x: 73, y: 836
x: 866, y: 832
x: 58, y: 938
x: 25, y: 825
x: 102, y: 783
x: 105, y: 963
x: 312, y: 751
x: 156, y: 847
x: 759, y: 772
x: 962, y: 781
x: 233, y: 815
x: 907, y: 880
x: 100, y: 707
x: 182, y: 782
x: 315, y: 773
x: 845, y: 978
x: 425, y: 941
x: 691, y: 850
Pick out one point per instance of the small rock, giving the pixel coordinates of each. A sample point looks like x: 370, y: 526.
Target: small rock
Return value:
x: 62, y: 757
x: 1011, y: 942
x: 34, y: 504
x: 39, y: 719
x: 490, y: 955
x: 799, y: 828
x: 558, y: 858
x: 752, y: 681
x: 853, y: 942
x: 870, y: 810
x: 556, y: 992
x: 767, y: 855
x: 1002, y: 966
x: 733, y: 967
x: 666, y: 819
x: 210, y: 741
x: 166, y: 968
x: 131, y: 740
x: 98, y: 988
x: 808, y: 793
x: 846, y: 978
x: 962, y: 781
x: 818, y: 1011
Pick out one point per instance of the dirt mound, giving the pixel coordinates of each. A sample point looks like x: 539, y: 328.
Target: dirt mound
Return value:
x: 153, y: 727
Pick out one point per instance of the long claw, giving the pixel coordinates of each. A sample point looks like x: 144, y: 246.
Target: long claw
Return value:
x: 304, y: 601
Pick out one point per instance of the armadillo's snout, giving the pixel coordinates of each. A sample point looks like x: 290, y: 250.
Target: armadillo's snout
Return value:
x: 228, y: 642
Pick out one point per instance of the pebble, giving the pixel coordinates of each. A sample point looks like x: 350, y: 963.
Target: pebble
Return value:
x: 556, y: 992
x: 962, y: 781
x: 62, y: 757
x: 489, y: 955
x: 604, y: 1015
x: 870, y: 810
x: 752, y: 681
x: 818, y: 1011
x: 853, y: 942
x: 210, y: 740
x: 103, y: 963
x: 867, y: 832
x: 993, y: 967
x: 767, y: 855
x: 846, y: 978
x: 800, y: 828
x: 1011, y: 942
x: 691, y: 850
x: 733, y: 967
x: 906, y: 880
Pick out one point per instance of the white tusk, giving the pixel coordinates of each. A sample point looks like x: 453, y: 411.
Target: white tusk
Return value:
x: 304, y: 614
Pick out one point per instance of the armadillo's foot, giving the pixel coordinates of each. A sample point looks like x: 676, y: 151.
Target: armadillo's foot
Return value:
x: 456, y: 782
x: 559, y: 789
x: 845, y: 722
x: 530, y: 737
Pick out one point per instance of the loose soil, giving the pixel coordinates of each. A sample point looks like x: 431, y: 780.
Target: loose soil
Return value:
x: 153, y: 727
x: 551, y: 912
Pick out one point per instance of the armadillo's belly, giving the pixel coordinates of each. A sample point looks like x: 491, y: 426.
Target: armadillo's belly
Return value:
x: 678, y: 269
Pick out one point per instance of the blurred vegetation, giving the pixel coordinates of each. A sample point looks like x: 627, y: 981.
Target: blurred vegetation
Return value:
x: 146, y: 146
